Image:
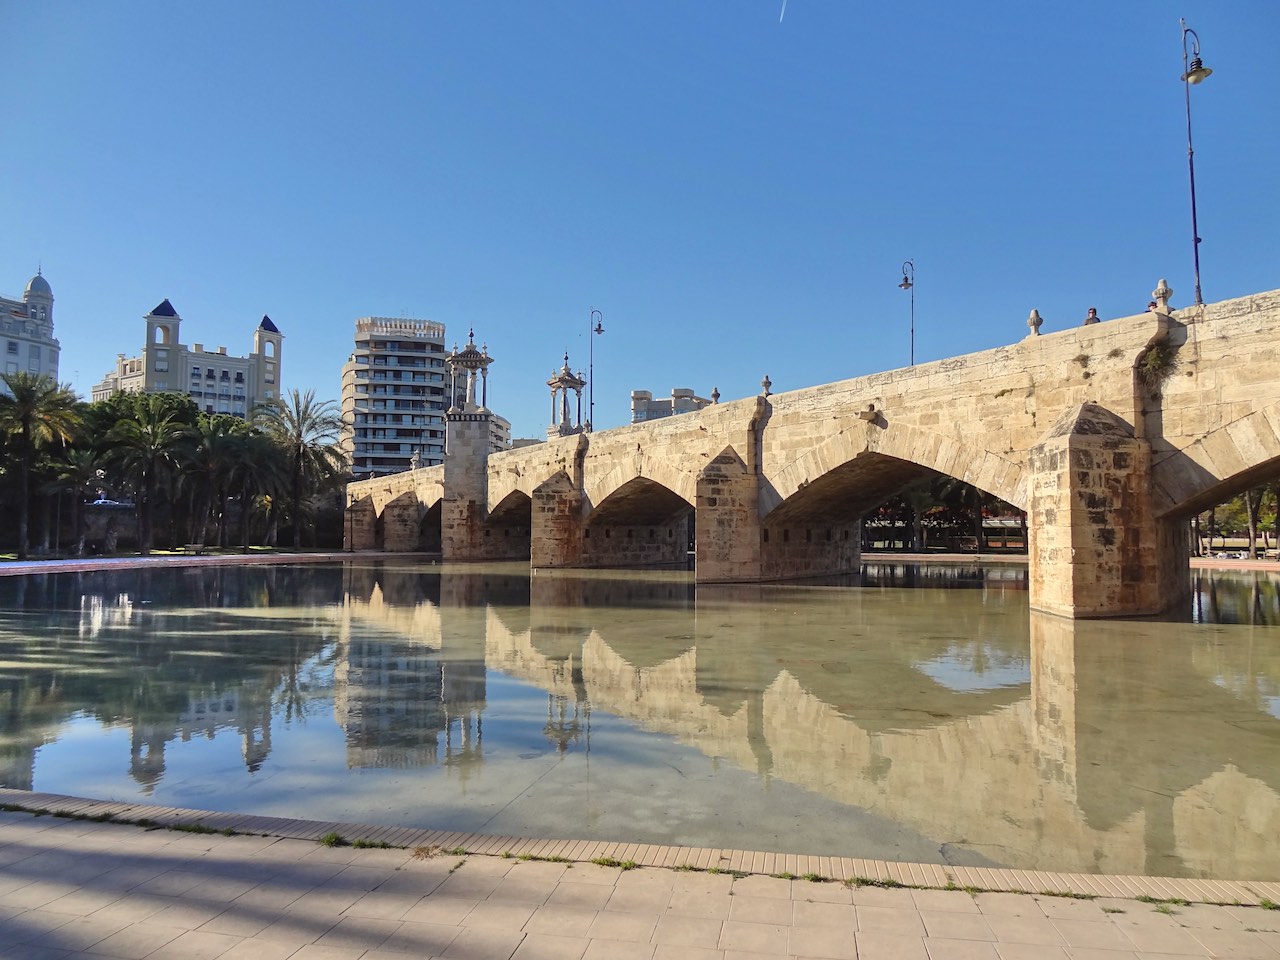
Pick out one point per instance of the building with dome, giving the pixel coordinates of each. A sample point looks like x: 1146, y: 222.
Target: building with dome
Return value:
x: 26, y: 328
x: 217, y: 381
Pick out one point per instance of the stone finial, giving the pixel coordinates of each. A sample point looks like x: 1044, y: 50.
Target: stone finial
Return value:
x: 1162, y: 294
x: 715, y: 394
x: 765, y: 385
x: 1034, y: 321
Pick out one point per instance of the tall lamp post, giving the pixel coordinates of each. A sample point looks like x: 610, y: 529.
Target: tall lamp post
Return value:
x: 596, y: 326
x: 1193, y: 71
x: 909, y: 283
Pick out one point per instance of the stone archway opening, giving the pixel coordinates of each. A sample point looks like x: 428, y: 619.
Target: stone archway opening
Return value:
x: 817, y: 531
x: 429, y: 529
x: 641, y: 524
x: 507, y: 528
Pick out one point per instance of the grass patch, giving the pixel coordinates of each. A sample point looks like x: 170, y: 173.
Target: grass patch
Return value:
x: 614, y: 862
x: 1168, y: 901
x: 784, y: 875
x: 191, y: 828
x: 816, y: 878
x: 1068, y: 894
x: 1112, y: 910
x: 1266, y: 904
x: 371, y: 845
x: 534, y: 858
x: 333, y: 839
x: 869, y: 882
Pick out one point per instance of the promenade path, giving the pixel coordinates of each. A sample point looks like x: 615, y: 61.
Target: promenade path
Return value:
x: 91, y: 889
x: 143, y: 886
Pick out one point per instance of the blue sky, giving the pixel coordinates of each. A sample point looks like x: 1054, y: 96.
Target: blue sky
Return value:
x: 735, y: 194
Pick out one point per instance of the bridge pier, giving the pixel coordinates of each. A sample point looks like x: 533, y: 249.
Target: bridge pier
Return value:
x: 1097, y: 548
x: 359, y: 525
x: 400, y: 524
x: 727, y: 546
x: 556, y: 525
x: 466, y: 485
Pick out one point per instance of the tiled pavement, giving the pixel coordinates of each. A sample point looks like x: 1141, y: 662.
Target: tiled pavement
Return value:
x: 77, y: 888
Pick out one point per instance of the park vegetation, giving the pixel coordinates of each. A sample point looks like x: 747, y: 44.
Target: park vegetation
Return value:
x: 153, y: 471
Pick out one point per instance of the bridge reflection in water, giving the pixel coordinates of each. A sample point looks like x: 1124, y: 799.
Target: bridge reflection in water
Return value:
x: 898, y: 720
x: 1124, y: 747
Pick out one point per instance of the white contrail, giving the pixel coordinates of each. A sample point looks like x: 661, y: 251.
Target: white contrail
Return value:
x: 784, y: 11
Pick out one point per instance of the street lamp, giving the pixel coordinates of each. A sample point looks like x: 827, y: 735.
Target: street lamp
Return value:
x: 595, y: 326
x: 1193, y: 71
x: 909, y: 283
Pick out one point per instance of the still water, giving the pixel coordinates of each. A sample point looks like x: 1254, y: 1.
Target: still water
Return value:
x: 923, y: 714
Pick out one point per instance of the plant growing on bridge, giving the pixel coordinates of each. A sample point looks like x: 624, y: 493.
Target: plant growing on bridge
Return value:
x: 1156, y: 364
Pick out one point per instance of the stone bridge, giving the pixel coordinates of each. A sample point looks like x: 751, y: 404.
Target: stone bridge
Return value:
x: 1110, y: 436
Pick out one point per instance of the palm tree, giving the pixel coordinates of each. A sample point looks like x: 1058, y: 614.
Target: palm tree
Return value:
x: 208, y: 467
x: 259, y: 470
x: 80, y: 474
x: 307, y: 430
x: 149, y: 446
x: 35, y: 412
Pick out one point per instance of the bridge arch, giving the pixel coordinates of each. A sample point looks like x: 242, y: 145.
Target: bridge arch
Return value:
x: 516, y: 505
x: 642, y: 522
x: 508, y: 482
x: 834, y: 459
x: 1224, y: 462
x: 678, y: 477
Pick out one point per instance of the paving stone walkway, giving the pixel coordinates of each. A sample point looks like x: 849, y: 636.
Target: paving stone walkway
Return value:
x: 81, y: 888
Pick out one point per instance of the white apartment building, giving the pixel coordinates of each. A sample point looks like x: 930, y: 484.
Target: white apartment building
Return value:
x: 394, y: 396
x: 396, y: 389
x: 499, y: 434
x: 217, y: 381
x: 26, y: 329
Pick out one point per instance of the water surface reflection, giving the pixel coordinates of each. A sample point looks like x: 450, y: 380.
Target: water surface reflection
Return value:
x: 900, y: 718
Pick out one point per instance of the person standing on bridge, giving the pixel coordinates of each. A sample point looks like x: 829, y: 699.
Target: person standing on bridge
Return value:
x: 1093, y: 316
